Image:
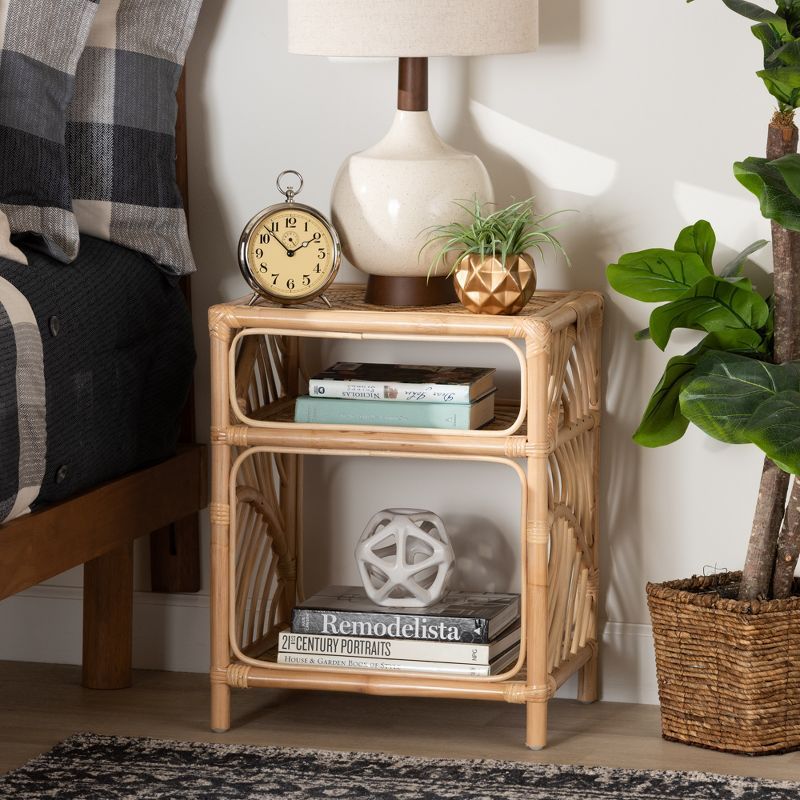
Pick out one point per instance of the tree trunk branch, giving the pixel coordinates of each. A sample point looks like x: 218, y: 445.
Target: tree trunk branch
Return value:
x: 788, y: 546
x: 760, y: 564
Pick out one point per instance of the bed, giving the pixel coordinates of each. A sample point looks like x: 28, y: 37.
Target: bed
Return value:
x: 122, y: 466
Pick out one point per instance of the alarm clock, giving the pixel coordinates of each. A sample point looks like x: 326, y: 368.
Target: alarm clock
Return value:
x: 289, y: 252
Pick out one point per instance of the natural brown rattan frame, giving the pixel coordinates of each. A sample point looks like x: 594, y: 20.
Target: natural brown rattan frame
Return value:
x: 98, y: 528
x: 256, y: 510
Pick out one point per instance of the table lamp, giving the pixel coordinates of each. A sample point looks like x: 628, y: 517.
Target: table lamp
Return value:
x: 386, y: 196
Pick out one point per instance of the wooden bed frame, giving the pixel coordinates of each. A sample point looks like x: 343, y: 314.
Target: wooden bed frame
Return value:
x: 98, y: 528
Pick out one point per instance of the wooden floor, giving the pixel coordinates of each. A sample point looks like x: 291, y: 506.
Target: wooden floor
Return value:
x: 42, y: 704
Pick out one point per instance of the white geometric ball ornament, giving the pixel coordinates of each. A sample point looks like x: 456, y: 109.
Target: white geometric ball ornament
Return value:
x: 405, y: 558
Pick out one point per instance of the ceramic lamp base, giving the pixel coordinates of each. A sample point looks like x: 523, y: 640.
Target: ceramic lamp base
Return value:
x: 400, y: 291
x: 386, y: 199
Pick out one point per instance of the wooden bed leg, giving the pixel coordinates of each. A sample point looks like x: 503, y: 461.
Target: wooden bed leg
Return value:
x: 108, y: 620
x: 175, y: 557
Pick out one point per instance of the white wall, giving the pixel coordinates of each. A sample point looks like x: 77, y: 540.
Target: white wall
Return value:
x: 631, y: 112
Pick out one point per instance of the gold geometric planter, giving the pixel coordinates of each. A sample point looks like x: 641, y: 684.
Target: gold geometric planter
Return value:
x: 487, y: 286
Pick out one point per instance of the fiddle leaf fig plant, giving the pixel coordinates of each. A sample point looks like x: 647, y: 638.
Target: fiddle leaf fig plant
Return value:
x: 741, y: 383
x: 726, y: 307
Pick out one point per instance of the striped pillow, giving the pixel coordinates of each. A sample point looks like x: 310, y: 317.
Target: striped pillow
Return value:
x: 121, y: 128
x: 40, y: 44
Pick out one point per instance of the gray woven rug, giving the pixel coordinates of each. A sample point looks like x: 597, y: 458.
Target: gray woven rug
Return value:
x: 89, y: 767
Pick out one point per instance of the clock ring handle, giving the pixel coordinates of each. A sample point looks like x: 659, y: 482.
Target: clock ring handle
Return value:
x: 290, y: 192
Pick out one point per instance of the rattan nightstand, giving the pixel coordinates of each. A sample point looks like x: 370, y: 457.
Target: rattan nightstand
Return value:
x: 548, y: 437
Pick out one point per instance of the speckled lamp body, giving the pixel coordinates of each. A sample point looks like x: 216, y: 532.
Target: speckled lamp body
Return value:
x: 385, y: 197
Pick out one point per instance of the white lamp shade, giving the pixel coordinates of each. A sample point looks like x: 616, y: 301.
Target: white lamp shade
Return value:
x: 412, y: 28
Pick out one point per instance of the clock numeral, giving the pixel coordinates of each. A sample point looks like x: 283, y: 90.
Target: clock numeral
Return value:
x: 259, y: 252
x: 321, y: 253
x: 306, y: 280
x: 274, y: 226
x: 263, y: 268
x: 290, y: 283
x: 263, y: 238
x: 291, y: 222
x: 318, y: 268
x: 274, y: 279
x: 317, y: 236
x: 305, y: 227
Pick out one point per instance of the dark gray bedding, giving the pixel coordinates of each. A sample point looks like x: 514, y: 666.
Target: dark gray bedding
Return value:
x: 96, y: 361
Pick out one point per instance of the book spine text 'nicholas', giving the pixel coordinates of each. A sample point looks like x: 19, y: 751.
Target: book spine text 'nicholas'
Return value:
x: 393, y: 391
x: 390, y: 626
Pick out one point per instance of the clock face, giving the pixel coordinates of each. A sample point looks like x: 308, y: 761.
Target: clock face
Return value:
x: 290, y: 253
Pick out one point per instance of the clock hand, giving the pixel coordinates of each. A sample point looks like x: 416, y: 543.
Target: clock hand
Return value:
x: 305, y: 244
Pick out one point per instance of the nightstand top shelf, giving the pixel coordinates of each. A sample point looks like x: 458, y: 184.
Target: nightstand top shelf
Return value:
x: 546, y: 311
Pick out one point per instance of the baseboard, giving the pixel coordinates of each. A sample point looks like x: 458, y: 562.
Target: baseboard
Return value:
x: 171, y: 632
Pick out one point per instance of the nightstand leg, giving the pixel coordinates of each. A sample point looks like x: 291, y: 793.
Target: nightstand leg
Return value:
x: 536, y: 732
x: 220, y: 707
x: 220, y: 515
x: 587, y: 681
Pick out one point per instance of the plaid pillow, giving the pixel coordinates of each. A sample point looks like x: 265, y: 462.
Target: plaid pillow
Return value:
x: 121, y: 128
x: 40, y: 44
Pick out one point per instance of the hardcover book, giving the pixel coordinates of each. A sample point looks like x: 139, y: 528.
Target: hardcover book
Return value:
x: 500, y: 663
x: 357, y: 381
x: 403, y: 649
x: 395, y: 413
x: 475, y: 618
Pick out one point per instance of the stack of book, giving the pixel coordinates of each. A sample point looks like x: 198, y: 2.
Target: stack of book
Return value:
x: 464, y: 634
x: 397, y: 395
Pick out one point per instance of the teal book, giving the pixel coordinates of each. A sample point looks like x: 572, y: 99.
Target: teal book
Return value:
x: 395, y: 413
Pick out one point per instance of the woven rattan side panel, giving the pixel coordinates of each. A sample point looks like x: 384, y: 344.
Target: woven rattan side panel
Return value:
x: 573, y: 428
x: 268, y: 489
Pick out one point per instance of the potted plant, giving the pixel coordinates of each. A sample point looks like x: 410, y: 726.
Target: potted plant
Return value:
x: 488, y: 257
x: 727, y: 645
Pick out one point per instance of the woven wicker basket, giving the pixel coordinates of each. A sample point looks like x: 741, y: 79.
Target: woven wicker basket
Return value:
x: 728, y: 670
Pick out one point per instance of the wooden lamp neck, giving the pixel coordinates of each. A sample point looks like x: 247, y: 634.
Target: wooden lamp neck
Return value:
x: 412, y: 85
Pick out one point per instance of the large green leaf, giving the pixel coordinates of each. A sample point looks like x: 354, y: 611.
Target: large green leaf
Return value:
x: 740, y: 400
x: 656, y: 275
x: 728, y: 390
x: 775, y: 428
x: 776, y: 184
x: 788, y: 77
x: 698, y: 238
x: 712, y: 304
x: 662, y: 422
